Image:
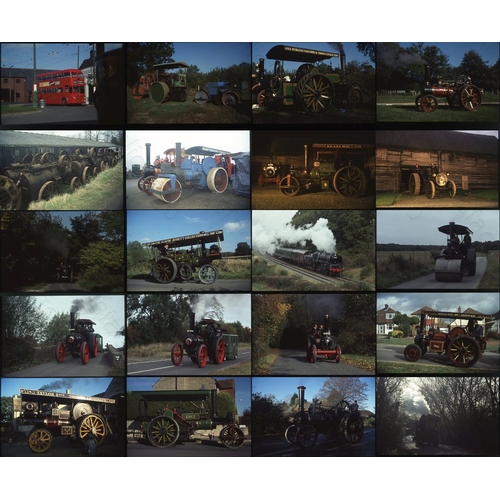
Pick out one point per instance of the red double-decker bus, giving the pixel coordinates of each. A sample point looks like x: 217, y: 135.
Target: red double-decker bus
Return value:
x: 66, y: 86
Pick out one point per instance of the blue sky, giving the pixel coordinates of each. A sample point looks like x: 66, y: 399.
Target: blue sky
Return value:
x: 242, y: 384
x: 79, y: 386
x: 48, y: 55
x: 456, y: 50
x: 153, y: 225
x: 209, y: 55
x: 284, y: 387
x: 260, y: 49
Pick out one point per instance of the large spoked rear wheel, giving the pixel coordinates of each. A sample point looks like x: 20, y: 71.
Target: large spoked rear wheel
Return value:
x: 163, y: 432
x: 10, y: 196
x: 415, y: 184
x: 94, y: 424
x: 218, y: 350
x: 352, y: 427
x: 350, y: 181
x: 314, y: 94
x: 165, y: 270
x: 217, y: 180
x: 464, y: 351
x: 470, y: 97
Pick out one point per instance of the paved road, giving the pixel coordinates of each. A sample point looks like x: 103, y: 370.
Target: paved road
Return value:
x: 278, y: 446
x: 54, y: 115
x: 489, y: 361
x: 165, y: 367
x: 72, y: 367
x: 199, y: 198
x: 203, y: 448
x: 294, y: 362
x: 142, y: 285
x: 429, y: 282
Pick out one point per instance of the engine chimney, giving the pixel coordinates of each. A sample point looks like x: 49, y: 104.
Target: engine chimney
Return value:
x: 191, y: 321
x: 72, y: 320
x: 148, y: 154
x: 177, y: 154
x: 301, y: 390
x: 343, y: 65
x: 327, y: 323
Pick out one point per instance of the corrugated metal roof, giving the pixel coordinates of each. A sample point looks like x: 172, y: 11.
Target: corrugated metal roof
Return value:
x: 12, y: 138
x: 438, y: 140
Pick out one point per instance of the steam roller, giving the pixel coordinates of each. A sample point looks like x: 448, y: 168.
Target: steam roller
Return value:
x: 448, y: 270
x: 459, y: 256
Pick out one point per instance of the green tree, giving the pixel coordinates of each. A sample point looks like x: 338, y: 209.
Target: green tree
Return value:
x: 476, y: 68
x: 142, y: 56
x: 7, y: 409
x: 243, y: 248
x: 56, y: 329
x: 137, y: 257
x: 267, y: 415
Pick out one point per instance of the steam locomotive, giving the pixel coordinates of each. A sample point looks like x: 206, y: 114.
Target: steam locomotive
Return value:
x: 326, y: 263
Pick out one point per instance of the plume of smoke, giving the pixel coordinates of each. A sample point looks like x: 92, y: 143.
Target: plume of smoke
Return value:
x: 337, y: 46
x: 265, y: 240
x: 89, y: 304
x: 393, y: 58
x: 55, y: 240
x: 58, y: 385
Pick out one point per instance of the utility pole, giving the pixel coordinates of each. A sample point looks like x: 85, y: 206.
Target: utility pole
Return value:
x: 35, y: 93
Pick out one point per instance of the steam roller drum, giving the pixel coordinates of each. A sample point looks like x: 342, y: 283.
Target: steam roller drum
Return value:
x: 448, y: 270
x: 139, y: 91
x: 159, y: 92
x: 81, y: 409
x: 161, y: 189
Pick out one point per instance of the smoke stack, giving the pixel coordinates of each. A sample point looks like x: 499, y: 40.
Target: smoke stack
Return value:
x: 148, y: 154
x: 427, y: 76
x: 327, y: 323
x: 343, y: 64
x: 177, y: 154
x: 301, y: 390
x: 305, y: 157
x: 72, y: 320
x: 191, y: 321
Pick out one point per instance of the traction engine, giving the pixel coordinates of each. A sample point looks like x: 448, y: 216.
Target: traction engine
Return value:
x: 81, y: 342
x: 174, y: 424
x: 323, y: 344
x: 62, y: 414
x: 339, y: 421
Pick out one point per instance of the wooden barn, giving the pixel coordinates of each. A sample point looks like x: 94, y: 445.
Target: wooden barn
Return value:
x: 471, y: 160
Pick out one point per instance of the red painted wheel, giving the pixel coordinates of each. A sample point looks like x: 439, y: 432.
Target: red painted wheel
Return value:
x: 218, y: 350
x: 428, y: 104
x: 177, y: 354
x: 314, y: 353
x: 84, y: 353
x: 412, y: 353
x: 146, y: 185
x: 60, y: 352
x: 339, y: 354
x: 202, y: 355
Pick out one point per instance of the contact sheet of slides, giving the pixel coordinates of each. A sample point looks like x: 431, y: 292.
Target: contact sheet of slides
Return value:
x: 250, y: 249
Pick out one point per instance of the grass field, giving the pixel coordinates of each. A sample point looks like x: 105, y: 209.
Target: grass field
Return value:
x: 104, y: 192
x: 146, y: 111
x: 402, y: 109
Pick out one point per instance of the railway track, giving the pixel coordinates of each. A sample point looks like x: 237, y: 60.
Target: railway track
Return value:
x: 306, y: 273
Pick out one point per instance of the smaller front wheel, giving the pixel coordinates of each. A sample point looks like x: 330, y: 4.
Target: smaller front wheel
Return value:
x: 289, y: 186
x: 428, y: 104
x: 412, y: 352
x: 177, y: 354
x: 207, y: 274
